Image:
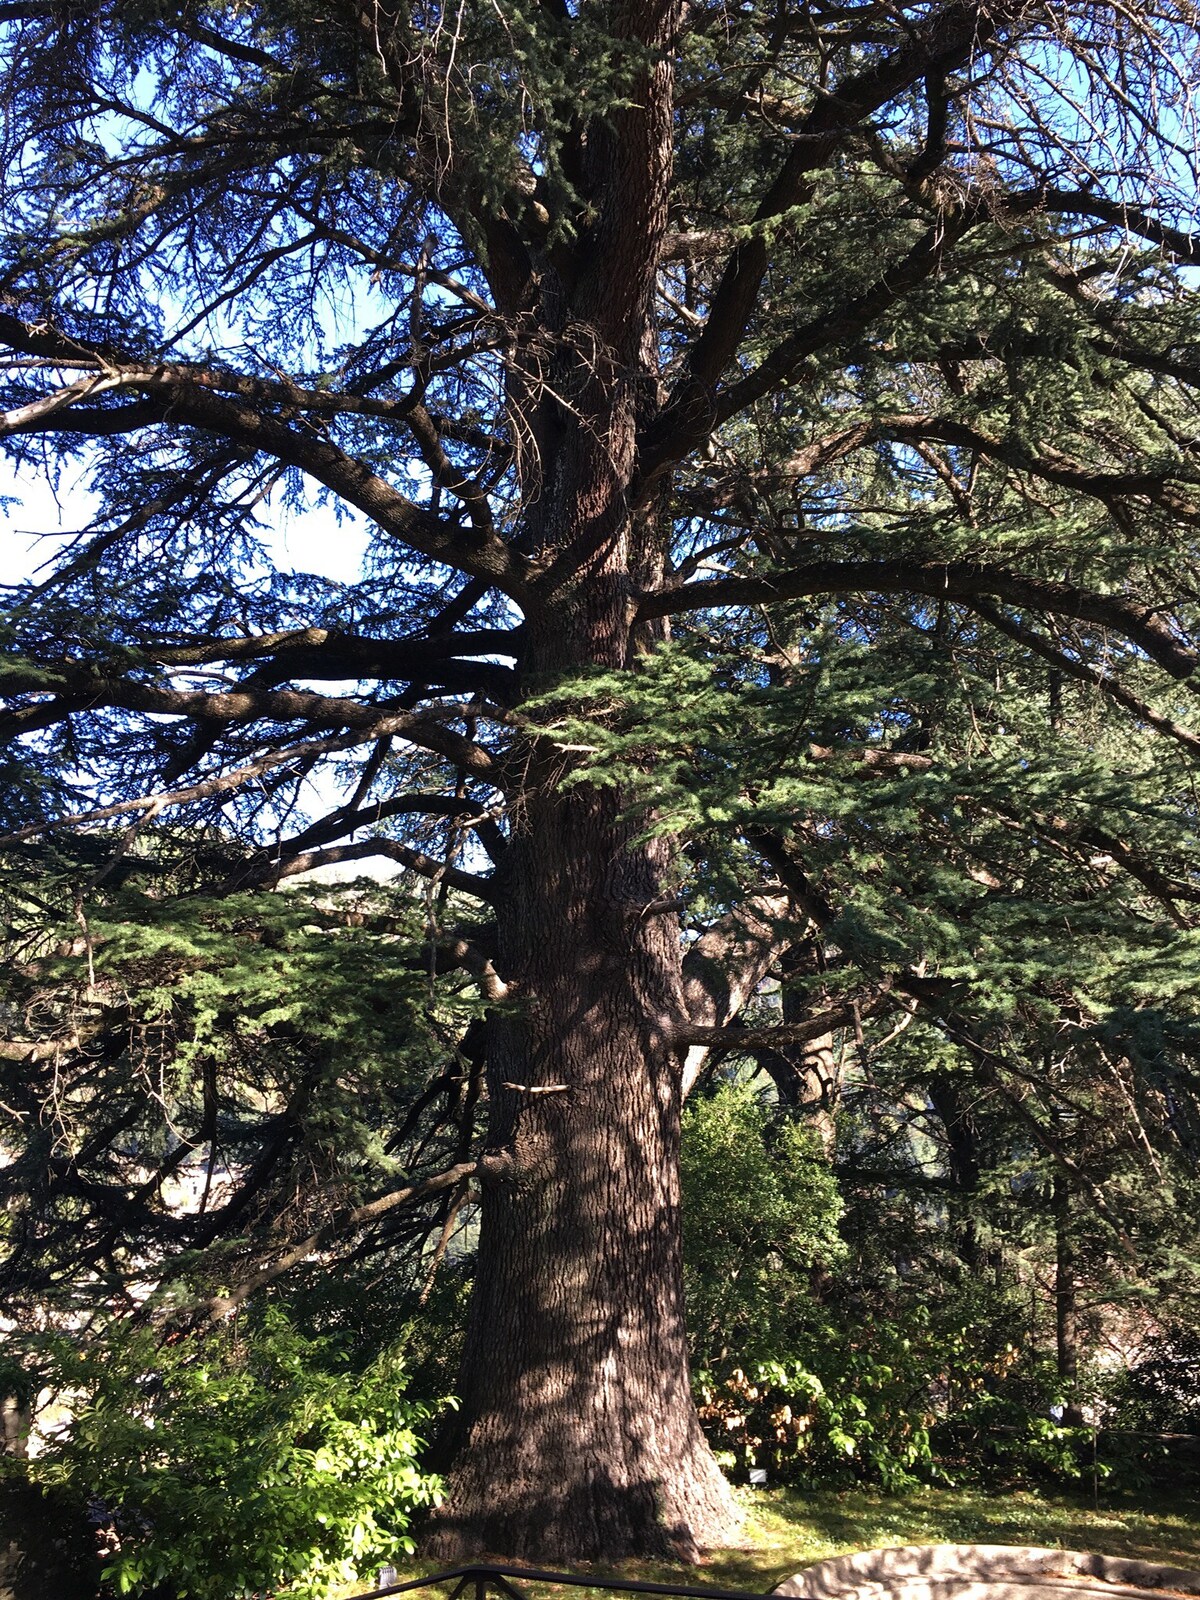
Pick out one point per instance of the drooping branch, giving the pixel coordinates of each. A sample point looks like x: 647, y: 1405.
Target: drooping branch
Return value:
x: 222, y: 783
x: 274, y: 871
x: 346, y: 1221
x: 467, y: 813
x: 1085, y: 672
x: 1140, y: 624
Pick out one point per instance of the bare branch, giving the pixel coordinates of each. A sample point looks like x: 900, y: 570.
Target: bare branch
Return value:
x: 724, y: 967
x: 407, y: 856
x: 343, y: 1222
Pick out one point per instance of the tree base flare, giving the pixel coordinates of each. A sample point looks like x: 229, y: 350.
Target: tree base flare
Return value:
x: 597, y: 1512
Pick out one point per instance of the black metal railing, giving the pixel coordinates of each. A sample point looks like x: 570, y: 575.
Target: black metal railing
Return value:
x: 479, y: 1578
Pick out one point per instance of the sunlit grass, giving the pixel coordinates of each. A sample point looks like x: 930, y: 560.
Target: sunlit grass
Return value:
x: 787, y: 1529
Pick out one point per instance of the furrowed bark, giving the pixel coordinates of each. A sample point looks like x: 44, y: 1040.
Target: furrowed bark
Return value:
x: 577, y: 1435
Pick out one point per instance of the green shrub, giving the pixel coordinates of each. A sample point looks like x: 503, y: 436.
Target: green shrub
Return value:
x: 246, y: 1461
x: 760, y: 1215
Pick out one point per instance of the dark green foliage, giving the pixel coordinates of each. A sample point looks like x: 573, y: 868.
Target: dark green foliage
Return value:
x: 214, y: 1077
x: 876, y: 1353
x: 1159, y: 1390
x: 47, y: 1544
x: 799, y: 1369
x: 760, y: 1217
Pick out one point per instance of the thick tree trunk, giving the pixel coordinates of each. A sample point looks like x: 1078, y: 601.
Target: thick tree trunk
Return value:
x: 577, y: 1436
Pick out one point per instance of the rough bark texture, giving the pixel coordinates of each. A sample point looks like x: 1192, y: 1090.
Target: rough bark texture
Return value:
x: 577, y: 1436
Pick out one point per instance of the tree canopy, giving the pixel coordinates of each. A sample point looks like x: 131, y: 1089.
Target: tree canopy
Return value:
x: 776, y: 429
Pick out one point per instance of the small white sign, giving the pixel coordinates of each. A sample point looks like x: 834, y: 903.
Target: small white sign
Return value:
x: 387, y: 1577
x: 758, y: 1477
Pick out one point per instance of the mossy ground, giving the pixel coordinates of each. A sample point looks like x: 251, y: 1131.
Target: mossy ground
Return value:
x: 787, y: 1529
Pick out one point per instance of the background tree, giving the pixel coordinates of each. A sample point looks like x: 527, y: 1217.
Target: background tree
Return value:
x: 849, y: 344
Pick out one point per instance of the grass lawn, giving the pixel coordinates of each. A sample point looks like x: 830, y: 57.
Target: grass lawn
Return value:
x: 787, y: 1529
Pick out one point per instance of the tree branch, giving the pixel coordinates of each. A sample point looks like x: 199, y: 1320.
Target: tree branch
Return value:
x: 1112, y: 687
x: 935, y: 45
x: 950, y: 580
x: 194, y: 397
x: 347, y: 1220
x: 723, y: 969
x: 246, y: 704
x: 737, y: 1037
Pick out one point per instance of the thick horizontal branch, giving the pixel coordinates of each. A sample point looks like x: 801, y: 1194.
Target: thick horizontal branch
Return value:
x: 246, y: 705
x: 871, y: 759
x: 269, y: 873
x: 333, y: 651
x: 737, y: 1037
x: 1142, y: 625
x: 198, y: 398
x: 1185, y: 247
x: 306, y: 653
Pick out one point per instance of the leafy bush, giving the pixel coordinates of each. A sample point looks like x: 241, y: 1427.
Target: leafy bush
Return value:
x: 760, y: 1214
x: 860, y: 1375
x: 779, y: 1383
x: 241, y: 1462
x: 854, y: 1423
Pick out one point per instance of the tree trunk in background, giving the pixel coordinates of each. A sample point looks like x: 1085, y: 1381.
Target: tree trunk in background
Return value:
x: 807, y: 1077
x: 1065, y: 1323
x: 953, y: 1100
x: 15, y: 1421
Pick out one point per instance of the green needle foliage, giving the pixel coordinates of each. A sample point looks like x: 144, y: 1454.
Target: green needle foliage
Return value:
x: 774, y: 433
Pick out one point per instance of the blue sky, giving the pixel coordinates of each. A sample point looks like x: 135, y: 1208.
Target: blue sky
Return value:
x: 311, y: 541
